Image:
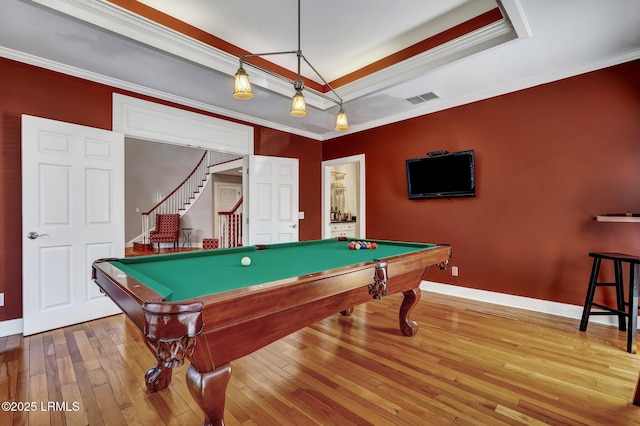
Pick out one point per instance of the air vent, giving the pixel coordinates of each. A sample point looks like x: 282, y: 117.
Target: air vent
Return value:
x: 423, y: 98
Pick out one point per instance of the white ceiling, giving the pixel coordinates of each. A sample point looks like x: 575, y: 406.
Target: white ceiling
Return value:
x: 541, y: 41
x: 337, y: 36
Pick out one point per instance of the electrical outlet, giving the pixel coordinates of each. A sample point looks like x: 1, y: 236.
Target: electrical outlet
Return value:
x: 1, y: 299
x: 454, y: 271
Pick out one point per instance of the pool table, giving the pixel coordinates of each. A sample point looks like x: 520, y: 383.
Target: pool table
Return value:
x: 206, y: 307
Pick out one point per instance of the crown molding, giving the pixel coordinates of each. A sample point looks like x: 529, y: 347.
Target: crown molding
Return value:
x: 443, y: 104
x: 121, y: 21
x: 143, y: 90
x: 435, y: 106
x: 469, y: 44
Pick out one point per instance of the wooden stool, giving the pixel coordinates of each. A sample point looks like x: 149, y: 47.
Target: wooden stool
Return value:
x: 627, y: 311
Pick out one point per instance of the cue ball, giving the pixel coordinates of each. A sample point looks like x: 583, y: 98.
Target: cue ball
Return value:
x: 245, y: 261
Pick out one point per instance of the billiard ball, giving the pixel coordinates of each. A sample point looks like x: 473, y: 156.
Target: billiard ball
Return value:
x: 351, y: 246
x: 245, y: 261
x: 374, y: 245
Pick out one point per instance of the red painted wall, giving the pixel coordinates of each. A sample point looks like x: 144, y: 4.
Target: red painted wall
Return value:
x: 25, y: 89
x: 548, y: 160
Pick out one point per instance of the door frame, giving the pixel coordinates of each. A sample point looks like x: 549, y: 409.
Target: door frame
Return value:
x: 155, y: 122
x: 326, y: 193
x: 216, y: 205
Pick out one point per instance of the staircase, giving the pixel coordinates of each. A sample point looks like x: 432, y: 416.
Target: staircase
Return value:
x: 183, y: 197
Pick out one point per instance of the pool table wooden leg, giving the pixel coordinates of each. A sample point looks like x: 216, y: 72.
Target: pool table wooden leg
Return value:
x: 347, y: 312
x: 158, y: 378
x: 411, y: 297
x: 208, y: 390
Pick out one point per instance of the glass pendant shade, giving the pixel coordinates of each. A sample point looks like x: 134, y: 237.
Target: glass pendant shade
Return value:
x: 298, y: 108
x: 242, y: 87
x: 341, y: 121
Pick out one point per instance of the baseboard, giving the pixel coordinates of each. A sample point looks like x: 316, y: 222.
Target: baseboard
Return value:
x: 9, y: 327
x: 537, y: 305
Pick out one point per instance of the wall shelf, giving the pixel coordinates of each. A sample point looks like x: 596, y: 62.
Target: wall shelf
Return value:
x: 620, y: 218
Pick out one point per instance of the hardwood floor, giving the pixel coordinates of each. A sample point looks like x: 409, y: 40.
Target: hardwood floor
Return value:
x: 470, y: 363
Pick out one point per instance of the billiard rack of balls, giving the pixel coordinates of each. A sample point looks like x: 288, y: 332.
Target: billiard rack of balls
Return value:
x: 362, y: 245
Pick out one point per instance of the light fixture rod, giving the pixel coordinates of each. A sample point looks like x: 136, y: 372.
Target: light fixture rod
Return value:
x: 249, y: 55
x: 242, y: 88
x: 288, y: 80
x: 323, y: 80
x: 299, y: 49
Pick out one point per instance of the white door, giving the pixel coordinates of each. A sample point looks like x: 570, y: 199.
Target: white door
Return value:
x: 72, y: 214
x: 272, y: 199
x: 226, y: 197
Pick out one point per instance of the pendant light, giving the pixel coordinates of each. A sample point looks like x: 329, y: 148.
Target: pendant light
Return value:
x: 242, y: 86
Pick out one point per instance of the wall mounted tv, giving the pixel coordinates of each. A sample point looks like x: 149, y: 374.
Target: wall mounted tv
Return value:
x: 442, y: 175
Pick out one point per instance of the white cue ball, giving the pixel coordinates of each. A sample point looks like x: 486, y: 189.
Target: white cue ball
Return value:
x: 245, y: 261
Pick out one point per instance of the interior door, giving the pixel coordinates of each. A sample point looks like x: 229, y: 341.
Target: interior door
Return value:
x: 272, y: 199
x: 226, y: 197
x: 72, y: 214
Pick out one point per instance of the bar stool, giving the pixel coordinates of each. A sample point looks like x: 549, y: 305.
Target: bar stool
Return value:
x: 626, y: 310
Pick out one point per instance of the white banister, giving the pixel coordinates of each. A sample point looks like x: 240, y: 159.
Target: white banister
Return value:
x: 180, y: 197
x: 230, y: 226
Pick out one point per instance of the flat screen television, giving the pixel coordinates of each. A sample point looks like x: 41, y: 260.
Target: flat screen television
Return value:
x: 442, y: 175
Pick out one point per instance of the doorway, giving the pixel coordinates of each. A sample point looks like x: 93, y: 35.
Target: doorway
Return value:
x: 344, y: 197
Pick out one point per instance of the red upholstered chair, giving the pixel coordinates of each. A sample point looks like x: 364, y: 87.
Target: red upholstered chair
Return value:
x: 167, y: 230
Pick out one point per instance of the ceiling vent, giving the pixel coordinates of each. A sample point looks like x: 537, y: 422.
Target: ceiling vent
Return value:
x: 423, y: 98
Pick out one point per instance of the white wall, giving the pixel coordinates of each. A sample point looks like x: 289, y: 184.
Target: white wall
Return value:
x: 153, y: 170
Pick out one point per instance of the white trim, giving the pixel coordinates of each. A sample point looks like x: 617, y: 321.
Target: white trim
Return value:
x: 216, y: 201
x: 122, y: 21
x: 428, y: 108
x: 515, y: 12
x: 443, y: 104
x: 26, y: 58
x: 156, y: 122
x: 432, y: 59
x: 326, y: 195
x: 519, y: 302
x: 9, y: 327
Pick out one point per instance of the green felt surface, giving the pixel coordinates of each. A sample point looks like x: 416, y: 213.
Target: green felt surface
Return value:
x: 187, y: 275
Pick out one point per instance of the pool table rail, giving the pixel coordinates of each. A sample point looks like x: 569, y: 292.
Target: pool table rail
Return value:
x: 126, y: 292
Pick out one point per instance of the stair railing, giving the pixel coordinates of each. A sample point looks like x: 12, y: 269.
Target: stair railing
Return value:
x: 180, y: 197
x: 230, y: 227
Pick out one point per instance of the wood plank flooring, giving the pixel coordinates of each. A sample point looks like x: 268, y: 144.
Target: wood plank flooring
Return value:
x: 471, y: 363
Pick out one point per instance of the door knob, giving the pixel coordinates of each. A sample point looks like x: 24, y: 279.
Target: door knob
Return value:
x: 293, y: 226
x: 33, y: 235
